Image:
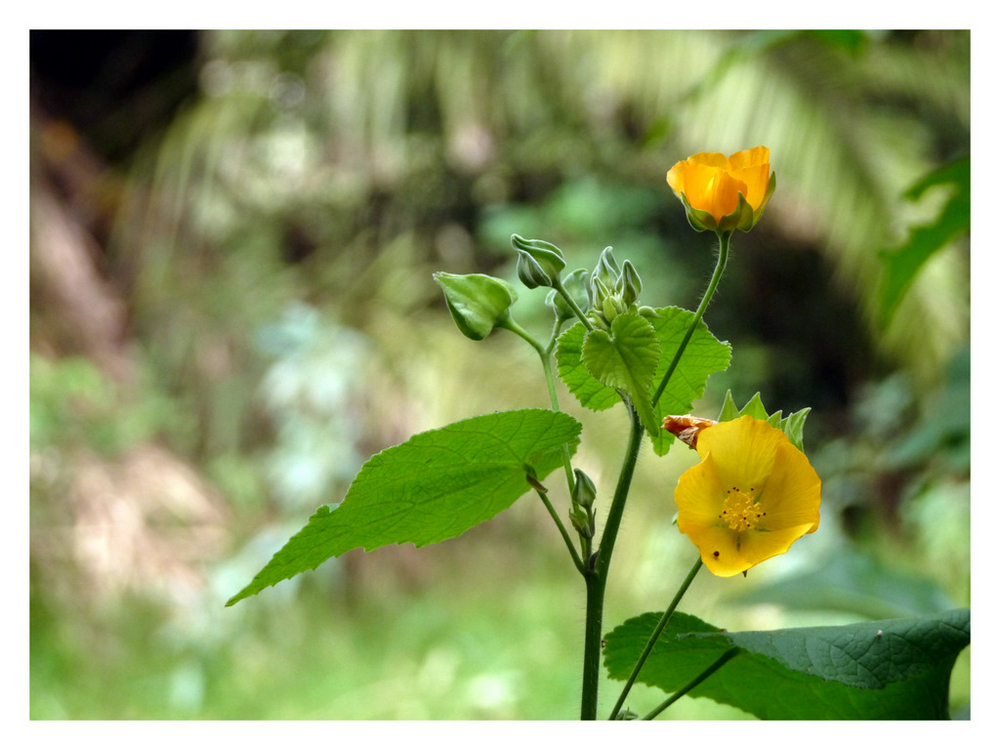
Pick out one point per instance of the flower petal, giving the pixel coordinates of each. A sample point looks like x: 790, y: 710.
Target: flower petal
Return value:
x: 758, y: 546
x: 791, y: 496
x: 756, y: 180
x: 743, y: 451
x: 711, y: 159
x: 752, y: 157
x: 699, y: 497
x: 718, y: 547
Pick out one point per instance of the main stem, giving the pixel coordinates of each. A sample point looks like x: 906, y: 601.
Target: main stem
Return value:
x: 597, y: 568
x: 597, y: 574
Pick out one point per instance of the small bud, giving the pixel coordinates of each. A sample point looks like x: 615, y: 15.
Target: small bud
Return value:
x: 607, y: 269
x: 530, y: 271
x: 598, y: 291
x: 631, y: 283
x: 538, y: 262
x: 478, y: 303
x: 575, y: 285
x: 584, y: 491
x: 612, y: 308
x: 580, y: 519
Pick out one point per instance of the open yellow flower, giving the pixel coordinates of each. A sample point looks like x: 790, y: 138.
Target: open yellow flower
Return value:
x: 752, y: 495
x: 722, y: 194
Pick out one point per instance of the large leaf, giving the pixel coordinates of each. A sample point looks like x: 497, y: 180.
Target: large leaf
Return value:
x: 433, y: 487
x: 903, y: 263
x: 887, y: 669
x: 703, y: 356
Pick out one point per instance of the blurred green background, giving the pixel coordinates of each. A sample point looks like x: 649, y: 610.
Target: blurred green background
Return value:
x: 232, y: 241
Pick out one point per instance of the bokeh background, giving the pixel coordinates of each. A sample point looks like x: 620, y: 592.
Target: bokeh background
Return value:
x: 231, y: 309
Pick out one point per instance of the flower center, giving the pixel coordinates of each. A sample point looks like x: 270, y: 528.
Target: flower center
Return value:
x: 739, y: 511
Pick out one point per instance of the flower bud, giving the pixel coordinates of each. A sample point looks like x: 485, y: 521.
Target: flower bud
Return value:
x: 580, y: 518
x: 575, y: 285
x: 630, y: 282
x: 477, y: 303
x: 584, y: 491
x: 722, y: 194
x: 539, y: 263
x: 598, y: 291
x: 607, y: 269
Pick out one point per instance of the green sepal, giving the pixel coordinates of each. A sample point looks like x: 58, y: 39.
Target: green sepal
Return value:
x: 743, y: 218
x: 792, y: 425
x: 477, y: 303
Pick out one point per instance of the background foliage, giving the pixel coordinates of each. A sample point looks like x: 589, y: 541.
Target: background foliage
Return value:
x: 233, y: 235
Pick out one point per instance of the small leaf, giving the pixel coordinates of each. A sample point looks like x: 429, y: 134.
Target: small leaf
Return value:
x: 887, y: 669
x: 433, y: 487
x: 625, y: 359
x: 590, y: 391
x: 704, y: 355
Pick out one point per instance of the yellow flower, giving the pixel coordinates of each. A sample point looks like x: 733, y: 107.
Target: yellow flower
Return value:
x: 721, y: 194
x: 752, y: 495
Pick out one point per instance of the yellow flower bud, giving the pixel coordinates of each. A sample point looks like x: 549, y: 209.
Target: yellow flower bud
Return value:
x: 722, y: 194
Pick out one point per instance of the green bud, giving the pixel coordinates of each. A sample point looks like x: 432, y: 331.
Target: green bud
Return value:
x: 598, y: 291
x: 580, y: 519
x: 648, y: 312
x: 606, y: 270
x: 478, y: 303
x: 631, y: 283
x: 612, y: 308
x: 530, y: 271
x: 575, y: 285
x: 584, y: 491
x: 539, y: 263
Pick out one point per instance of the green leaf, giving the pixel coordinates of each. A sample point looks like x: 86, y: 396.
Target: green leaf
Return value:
x: 704, y: 355
x: 625, y: 359
x: 590, y: 391
x: 887, y: 669
x: 902, y: 264
x: 433, y: 487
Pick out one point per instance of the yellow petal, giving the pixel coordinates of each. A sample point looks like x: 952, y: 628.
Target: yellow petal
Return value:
x: 743, y: 451
x: 752, y: 157
x: 718, y: 547
x: 699, y: 497
x: 758, y: 546
x: 711, y: 159
x: 791, y: 496
x: 756, y: 179
x: 675, y: 177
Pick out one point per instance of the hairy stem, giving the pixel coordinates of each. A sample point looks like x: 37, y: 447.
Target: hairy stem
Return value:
x: 653, y: 638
